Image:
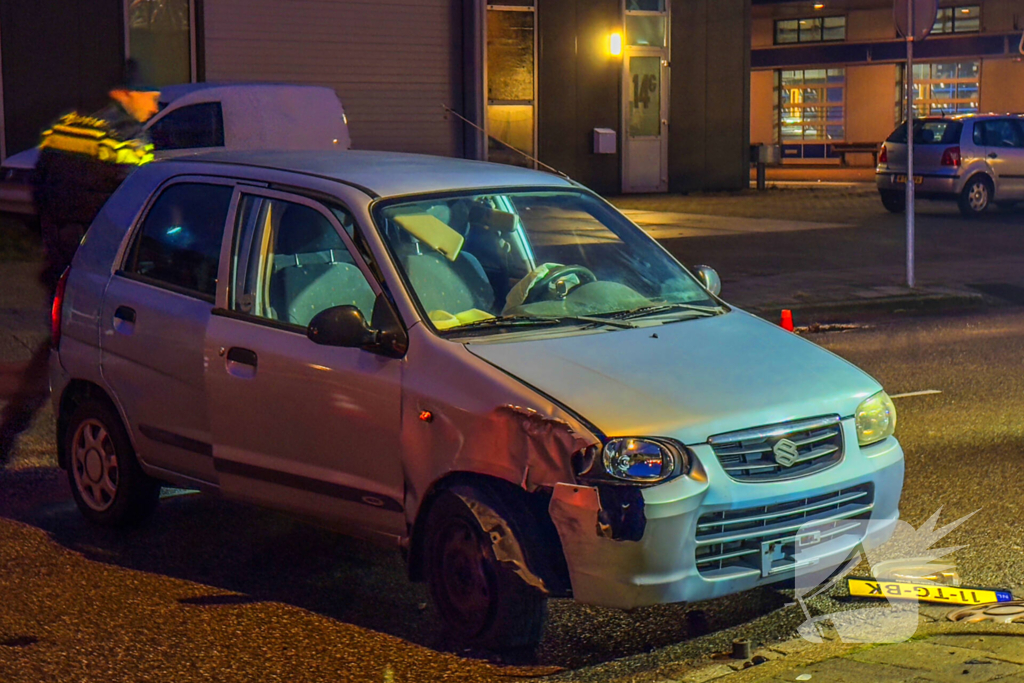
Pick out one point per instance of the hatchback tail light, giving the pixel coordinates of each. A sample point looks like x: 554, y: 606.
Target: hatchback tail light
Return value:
x: 55, y: 310
x: 951, y: 157
x: 883, y: 157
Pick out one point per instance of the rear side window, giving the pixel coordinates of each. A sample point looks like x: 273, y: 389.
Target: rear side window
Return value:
x: 191, y: 127
x: 999, y: 133
x: 929, y: 132
x: 179, y: 242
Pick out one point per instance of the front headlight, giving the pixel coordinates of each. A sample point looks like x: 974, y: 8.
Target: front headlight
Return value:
x: 643, y: 460
x: 875, y: 418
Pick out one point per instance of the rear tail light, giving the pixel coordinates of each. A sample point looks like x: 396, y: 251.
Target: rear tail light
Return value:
x: 883, y: 157
x: 55, y: 310
x: 951, y: 157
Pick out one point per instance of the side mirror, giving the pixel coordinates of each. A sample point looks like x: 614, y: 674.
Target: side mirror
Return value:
x: 346, y: 326
x: 341, y: 326
x: 708, y: 277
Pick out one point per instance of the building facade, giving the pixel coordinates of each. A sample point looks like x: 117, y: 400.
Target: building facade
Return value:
x: 830, y: 72
x: 664, y: 83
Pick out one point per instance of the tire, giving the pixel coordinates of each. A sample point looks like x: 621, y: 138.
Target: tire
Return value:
x: 894, y: 202
x: 976, y: 196
x: 483, y: 602
x: 106, y: 480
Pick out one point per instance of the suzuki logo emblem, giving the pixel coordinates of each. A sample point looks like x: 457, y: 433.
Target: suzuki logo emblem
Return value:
x: 786, y: 452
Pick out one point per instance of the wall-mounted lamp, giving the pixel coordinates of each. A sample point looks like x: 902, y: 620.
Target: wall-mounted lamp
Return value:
x: 615, y: 43
x: 819, y: 5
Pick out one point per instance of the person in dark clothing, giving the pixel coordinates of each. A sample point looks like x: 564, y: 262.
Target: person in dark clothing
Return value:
x: 82, y: 160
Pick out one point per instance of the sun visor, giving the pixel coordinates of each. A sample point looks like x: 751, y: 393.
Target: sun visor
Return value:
x: 432, y: 232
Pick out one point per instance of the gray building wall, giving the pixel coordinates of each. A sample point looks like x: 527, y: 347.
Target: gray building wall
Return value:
x: 709, y: 130
x: 580, y: 88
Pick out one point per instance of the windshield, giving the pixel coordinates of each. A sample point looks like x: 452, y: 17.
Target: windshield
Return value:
x: 478, y: 261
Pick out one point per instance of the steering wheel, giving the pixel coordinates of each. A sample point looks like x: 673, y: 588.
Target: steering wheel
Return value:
x: 540, y: 287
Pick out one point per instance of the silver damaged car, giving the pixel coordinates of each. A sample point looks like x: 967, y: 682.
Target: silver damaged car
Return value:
x: 487, y: 367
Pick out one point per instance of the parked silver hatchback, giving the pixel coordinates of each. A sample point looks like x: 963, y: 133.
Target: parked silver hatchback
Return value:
x: 486, y: 366
x: 974, y: 159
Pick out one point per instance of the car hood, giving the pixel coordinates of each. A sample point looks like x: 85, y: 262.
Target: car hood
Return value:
x: 687, y: 380
x: 25, y: 161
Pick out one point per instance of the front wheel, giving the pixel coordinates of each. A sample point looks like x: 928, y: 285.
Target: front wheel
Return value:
x: 482, y: 601
x: 976, y: 196
x: 106, y: 480
x: 894, y: 202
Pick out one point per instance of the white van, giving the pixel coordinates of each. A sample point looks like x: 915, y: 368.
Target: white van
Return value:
x: 213, y: 116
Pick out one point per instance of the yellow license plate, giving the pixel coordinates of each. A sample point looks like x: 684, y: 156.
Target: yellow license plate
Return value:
x: 899, y: 590
x: 902, y: 179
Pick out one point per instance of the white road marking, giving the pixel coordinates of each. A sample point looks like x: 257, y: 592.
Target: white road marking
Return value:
x: 926, y: 392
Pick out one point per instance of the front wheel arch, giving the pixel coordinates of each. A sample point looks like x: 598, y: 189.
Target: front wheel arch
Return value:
x: 533, y: 528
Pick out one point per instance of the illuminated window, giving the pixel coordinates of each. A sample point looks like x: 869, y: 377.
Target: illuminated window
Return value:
x: 942, y: 88
x: 810, y: 30
x: 160, y: 39
x: 960, y: 19
x: 511, y: 81
x: 810, y: 105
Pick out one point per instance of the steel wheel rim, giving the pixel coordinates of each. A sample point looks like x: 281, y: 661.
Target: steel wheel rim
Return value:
x: 466, y: 584
x: 94, y: 465
x: 978, y: 197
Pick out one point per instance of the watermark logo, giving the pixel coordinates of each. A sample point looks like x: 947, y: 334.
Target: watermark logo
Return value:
x: 826, y: 553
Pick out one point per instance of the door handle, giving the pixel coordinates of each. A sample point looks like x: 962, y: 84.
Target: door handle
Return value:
x: 125, y: 313
x: 237, y: 354
x: 124, y: 319
x: 241, y: 362
x: 993, y: 155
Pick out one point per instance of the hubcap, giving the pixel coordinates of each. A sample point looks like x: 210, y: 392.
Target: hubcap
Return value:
x: 979, y: 196
x: 94, y: 465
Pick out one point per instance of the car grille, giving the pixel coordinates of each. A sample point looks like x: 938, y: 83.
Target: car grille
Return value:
x: 730, y: 542
x: 750, y: 455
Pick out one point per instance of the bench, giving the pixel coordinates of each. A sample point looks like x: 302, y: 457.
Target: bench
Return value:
x: 844, y: 148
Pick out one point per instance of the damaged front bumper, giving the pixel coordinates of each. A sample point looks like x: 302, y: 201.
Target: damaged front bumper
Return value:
x: 707, y: 535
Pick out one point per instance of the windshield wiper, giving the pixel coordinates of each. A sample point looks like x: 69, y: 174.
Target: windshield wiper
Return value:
x: 702, y: 311
x: 538, y: 320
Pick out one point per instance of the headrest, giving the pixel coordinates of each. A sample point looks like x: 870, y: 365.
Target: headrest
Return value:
x: 432, y: 232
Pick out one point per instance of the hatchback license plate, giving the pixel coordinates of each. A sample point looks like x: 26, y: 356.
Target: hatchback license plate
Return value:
x: 902, y: 180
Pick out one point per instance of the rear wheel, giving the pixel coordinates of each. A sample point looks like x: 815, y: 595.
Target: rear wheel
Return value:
x: 106, y: 480
x: 894, y: 202
x: 482, y: 601
x: 976, y: 196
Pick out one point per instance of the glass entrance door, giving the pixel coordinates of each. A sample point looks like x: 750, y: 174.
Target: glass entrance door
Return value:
x: 645, y: 96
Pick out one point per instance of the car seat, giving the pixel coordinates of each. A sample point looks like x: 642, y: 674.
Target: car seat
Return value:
x: 313, y: 270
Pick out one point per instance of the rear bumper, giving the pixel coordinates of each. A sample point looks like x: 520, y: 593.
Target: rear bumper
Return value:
x: 661, y: 567
x: 931, y: 186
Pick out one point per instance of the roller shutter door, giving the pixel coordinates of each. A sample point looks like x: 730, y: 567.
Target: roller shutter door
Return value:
x: 391, y: 62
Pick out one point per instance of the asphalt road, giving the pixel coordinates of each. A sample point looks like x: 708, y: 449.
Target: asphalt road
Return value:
x: 210, y: 590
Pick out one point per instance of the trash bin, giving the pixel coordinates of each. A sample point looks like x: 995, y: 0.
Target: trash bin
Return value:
x: 762, y: 156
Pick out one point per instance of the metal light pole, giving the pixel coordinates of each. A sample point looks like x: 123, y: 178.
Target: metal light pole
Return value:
x: 911, y: 185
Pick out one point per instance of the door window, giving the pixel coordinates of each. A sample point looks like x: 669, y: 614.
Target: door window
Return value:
x: 290, y: 263
x: 179, y: 242
x: 644, y: 96
x: 192, y: 127
x: 1001, y: 133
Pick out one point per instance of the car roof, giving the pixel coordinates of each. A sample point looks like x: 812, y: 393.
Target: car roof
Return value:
x: 170, y: 93
x: 973, y: 116
x: 389, y: 174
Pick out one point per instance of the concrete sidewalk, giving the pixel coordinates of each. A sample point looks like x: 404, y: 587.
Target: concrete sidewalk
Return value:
x: 942, y: 651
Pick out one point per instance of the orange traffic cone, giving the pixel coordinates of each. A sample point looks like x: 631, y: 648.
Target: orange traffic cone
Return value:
x: 787, y: 320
